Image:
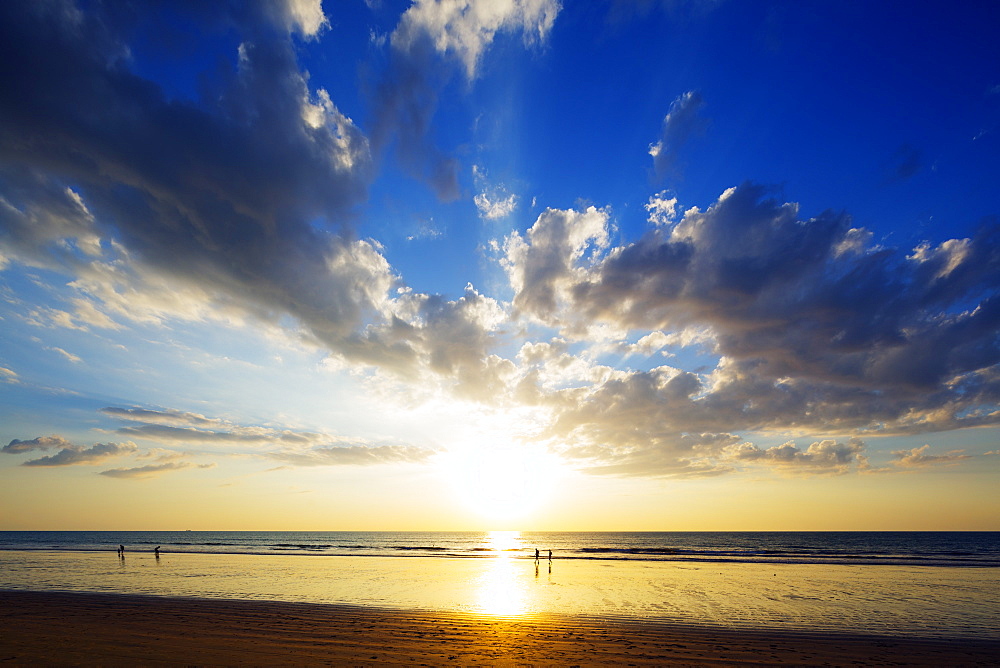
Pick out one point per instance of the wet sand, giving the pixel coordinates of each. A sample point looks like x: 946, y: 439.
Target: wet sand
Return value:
x: 57, y: 628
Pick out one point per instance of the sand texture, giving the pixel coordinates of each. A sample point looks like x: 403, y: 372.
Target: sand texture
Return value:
x: 55, y: 628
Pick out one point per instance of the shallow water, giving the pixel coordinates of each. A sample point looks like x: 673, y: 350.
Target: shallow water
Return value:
x: 884, y: 599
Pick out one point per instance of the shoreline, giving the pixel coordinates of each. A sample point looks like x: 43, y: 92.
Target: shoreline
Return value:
x: 103, y: 628
x: 707, y: 562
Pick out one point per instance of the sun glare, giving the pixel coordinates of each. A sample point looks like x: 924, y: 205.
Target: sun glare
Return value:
x: 502, y: 484
x: 500, y: 589
x: 504, y: 543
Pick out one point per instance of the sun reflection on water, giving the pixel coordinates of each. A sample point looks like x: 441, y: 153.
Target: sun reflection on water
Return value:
x: 500, y: 589
x: 504, y: 543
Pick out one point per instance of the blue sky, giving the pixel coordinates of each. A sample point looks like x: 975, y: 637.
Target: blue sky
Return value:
x: 521, y: 263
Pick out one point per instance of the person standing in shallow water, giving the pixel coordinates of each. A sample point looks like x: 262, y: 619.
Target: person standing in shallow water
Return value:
x: 536, y: 554
x: 156, y: 551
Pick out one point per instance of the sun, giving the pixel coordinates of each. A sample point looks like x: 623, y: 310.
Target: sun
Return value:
x: 502, y: 483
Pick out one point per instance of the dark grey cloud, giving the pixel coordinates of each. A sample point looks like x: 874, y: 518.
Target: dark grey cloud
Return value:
x: 907, y: 161
x: 77, y: 454
x: 236, y: 203
x: 404, y: 101
x: 245, y: 193
x: 16, y: 446
x: 807, y: 300
x: 683, y: 121
x: 817, y: 329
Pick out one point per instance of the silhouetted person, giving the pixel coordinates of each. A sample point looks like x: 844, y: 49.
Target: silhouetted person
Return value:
x: 550, y: 555
x: 156, y: 551
x: 536, y: 554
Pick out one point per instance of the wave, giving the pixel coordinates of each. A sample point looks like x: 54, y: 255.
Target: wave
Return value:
x: 422, y: 548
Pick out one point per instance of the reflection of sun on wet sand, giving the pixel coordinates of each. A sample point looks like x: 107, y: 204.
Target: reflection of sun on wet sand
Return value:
x: 89, y: 629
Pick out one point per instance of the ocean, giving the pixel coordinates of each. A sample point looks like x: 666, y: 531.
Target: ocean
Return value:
x: 924, y: 584
x: 935, y: 548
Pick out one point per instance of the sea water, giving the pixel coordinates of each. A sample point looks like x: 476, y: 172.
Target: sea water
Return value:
x: 933, y: 548
x: 926, y: 585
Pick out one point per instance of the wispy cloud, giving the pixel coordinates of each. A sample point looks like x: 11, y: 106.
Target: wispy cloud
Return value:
x: 682, y: 122
x: 430, y: 39
x: 494, y: 201
x: 919, y: 457
x: 301, y: 448
x: 356, y: 455
x: 152, y: 470
x: 75, y: 359
x: 38, y: 443
x: 76, y: 454
x: 168, y: 417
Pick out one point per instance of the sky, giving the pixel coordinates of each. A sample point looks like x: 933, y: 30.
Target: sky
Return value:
x: 508, y: 264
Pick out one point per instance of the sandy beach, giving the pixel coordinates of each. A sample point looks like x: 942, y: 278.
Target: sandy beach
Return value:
x: 61, y: 628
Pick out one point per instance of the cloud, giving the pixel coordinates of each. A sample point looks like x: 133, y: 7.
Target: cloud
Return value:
x: 682, y: 122
x: 306, y: 16
x: 76, y: 454
x: 431, y: 36
x: 152, y: 470
x: 786, y: 302
x: 464, y: 29
x: 814, y: 330
x: 170, y: 434
x: 233, y: 208
x: 918, y: 457
x: 907, y: 162
x: 492, y: 209
x: 69, y: 356
x: 300, y: 448
x: 171, y: 417
x: 543, y: 264
x: 40, y: 443
x: 171, y: 426
x: 357, y: 455
x: 163, y: 461
x: 828, y: 455
x: 494, y: 202
x: 8, y: 376
x: 662, y: 208
x: 236, y: 207
x: 237, y: 201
